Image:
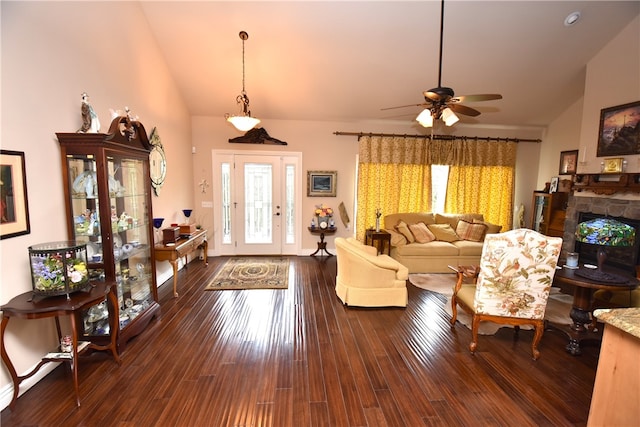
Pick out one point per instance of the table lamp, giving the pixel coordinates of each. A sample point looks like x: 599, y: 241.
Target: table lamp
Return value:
x: 604, y: 232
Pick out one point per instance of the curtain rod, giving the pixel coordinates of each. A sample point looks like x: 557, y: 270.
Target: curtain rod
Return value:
x: 443, y: 137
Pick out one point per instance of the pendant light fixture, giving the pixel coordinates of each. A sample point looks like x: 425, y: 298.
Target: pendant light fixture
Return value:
x: 243, y: 121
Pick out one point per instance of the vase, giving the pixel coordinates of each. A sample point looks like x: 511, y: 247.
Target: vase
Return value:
x: 377, y: 224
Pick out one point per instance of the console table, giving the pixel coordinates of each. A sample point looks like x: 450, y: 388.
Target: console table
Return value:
x: 28, y: 306
x: 172, y: 252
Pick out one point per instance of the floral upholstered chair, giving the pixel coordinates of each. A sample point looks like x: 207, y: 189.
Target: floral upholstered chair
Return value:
x: 512, y: 282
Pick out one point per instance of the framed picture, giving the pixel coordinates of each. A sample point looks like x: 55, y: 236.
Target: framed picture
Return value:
x: 619, y: 130
x: 321, y: 183
x: 553, y: 188
x: 568, y: 162
x: 13, y: 189
x: 613, y: 165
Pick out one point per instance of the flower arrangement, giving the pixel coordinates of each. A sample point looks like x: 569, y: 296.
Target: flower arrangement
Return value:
x: 48, y: 273
x: 58, y: 268
x: 322, y: 210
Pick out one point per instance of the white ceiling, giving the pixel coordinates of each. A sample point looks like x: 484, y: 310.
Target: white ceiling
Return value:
x: 344, y: 61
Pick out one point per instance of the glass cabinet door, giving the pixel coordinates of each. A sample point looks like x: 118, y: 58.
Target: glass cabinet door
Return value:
x: 539, y: 210
x: 131, y: 249
x: 85, y: 208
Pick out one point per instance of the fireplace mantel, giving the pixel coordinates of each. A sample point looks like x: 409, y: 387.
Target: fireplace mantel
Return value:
x: 607, y: 183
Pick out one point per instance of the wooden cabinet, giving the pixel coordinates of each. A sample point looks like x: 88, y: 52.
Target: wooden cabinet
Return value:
x: 108, y: 205
x: 548, y: 213
x: 616, y: 391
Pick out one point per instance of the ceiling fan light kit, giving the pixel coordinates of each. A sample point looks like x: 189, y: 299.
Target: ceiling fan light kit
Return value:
x: 243, y: 122
x: 425, y: 118
x: 441, y: 102
x: 449, y: 117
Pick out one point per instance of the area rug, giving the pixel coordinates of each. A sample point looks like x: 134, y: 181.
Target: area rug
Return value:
x: 251, y: 273
x: 558, y: 306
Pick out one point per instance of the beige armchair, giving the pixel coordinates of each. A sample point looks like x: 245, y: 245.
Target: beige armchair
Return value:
x: 512, y: 282
x: 366, y: 279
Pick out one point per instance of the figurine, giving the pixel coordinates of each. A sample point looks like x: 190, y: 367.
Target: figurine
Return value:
x: 90, y: 121
x: 89, y: 186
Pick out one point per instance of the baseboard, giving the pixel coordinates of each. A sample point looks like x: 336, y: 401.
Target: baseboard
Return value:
x: 6, y: 393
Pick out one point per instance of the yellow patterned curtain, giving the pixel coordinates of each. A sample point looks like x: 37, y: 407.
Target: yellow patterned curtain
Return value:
x: 481, y: 179
x: 394, y: 175
x: 484, y: 189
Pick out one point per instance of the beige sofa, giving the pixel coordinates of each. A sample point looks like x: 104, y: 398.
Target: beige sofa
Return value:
x: 366, y: 279
x: 451, y: 239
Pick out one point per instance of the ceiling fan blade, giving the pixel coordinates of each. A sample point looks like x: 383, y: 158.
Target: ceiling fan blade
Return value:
x: 476, y: 98
x: 405, y: 106
x: 463, y: 109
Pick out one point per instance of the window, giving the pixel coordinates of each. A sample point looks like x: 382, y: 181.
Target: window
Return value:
x: 439, y: 177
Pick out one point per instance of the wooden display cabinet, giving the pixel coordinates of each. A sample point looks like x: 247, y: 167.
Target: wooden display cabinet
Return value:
x: 108, y: 205
x: 548, y: 213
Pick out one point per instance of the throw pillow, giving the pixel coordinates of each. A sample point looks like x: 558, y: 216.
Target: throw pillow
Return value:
x: 397, y: 239
x: 422, y: 233
x: 471, y: 231
x: 443, y: 232
x: 404, y: 230
x: 491, y: 228
x: 451, y: 219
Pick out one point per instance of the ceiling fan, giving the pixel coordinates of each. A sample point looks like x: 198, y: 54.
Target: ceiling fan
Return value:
x: 441, y: 102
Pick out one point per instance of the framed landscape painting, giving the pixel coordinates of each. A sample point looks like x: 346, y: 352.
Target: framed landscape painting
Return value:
x: 321, y: 183
x: 13, y: 189
x: 619, y: 133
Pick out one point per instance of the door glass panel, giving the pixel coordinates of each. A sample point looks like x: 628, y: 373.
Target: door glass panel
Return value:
x: 289, y: 214
x: 225, y: 173
x: 258, y: 217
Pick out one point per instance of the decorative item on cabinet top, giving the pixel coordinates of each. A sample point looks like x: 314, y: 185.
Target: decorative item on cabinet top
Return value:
x: 257, y: 136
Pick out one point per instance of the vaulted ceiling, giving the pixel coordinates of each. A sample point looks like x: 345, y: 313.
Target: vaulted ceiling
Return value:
x: 344, y: 61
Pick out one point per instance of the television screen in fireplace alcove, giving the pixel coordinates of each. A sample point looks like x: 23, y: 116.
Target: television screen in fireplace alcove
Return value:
x: 625, y: 258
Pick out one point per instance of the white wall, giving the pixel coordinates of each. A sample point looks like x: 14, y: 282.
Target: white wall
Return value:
x: 612, y: 78
x: 562, y: 135
x: 51, y: 53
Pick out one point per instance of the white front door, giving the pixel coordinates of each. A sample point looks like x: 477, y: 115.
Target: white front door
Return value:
x: 257, y: 209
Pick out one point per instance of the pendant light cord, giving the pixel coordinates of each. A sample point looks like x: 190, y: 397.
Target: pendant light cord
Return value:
x: 441, y: 33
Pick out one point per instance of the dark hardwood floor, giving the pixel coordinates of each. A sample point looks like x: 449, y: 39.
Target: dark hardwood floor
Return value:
x: 298, y: 357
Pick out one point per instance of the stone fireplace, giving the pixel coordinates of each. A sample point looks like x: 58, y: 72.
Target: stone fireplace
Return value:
x: 621, y: 209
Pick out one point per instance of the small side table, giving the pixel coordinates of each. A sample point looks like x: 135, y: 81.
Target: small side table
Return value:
x: 382, y: 237
x: 322, y: 245
x: 26, y: 306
